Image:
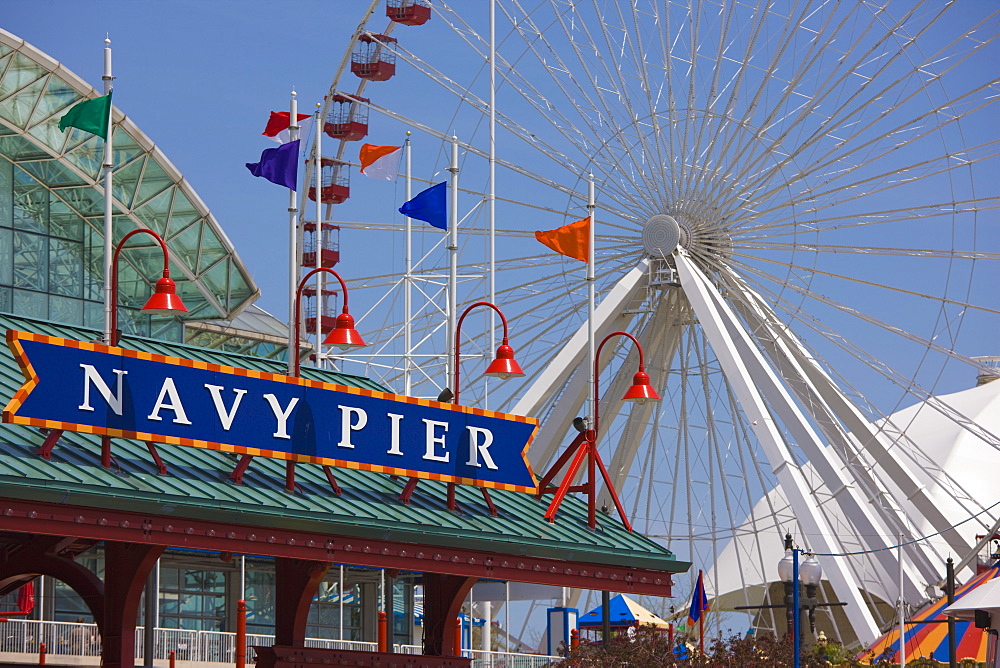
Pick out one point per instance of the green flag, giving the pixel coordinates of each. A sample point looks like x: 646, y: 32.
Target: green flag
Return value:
x: 90, y: 115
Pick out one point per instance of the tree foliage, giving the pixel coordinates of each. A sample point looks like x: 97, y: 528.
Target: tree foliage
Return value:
x: 647, y: 646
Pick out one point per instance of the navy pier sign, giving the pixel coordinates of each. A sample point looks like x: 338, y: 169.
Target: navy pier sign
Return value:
x: 98, y: 389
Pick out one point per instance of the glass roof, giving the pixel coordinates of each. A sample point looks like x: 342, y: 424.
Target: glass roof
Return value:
x: 147, y: 190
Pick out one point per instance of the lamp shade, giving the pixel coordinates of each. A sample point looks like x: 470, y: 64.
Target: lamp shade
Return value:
x: 810, y: 572
x: 786, y: 567
x: 344, y: 336
x: 504, y: 365
x: 641, y: 391
x: 164, y: 300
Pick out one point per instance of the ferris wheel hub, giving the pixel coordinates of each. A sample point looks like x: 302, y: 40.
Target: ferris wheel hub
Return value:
x: 661, y: 235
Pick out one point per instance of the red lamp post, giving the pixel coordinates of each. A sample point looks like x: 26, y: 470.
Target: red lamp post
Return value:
x: 163, y: 301
x: 343, y: 335
x: 503, y: 366
x: 585, y: 446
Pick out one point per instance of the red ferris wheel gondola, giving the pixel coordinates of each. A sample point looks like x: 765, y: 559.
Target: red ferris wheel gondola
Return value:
x: 373, y: 59
x: 408, y: 12
x: 348, y: 118
x: 336, y: 181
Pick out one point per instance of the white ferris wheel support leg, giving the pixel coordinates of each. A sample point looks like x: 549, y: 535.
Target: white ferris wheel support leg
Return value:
x: 876, y: 444
x: 699, y: 292
x: 800, y: 371
x: 609, y: 316
x: 824, y: 459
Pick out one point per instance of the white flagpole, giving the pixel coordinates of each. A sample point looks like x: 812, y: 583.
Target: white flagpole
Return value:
x: 591, y: 207
x: 408, y: 280
x: 318, y: 237
x: 493, y: 175
x: 108, y: 168
x: 902, y: 609
x: 453, y: 270
x: 293, y: 224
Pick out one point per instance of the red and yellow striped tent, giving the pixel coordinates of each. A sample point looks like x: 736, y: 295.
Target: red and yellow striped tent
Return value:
x: 931, y: 639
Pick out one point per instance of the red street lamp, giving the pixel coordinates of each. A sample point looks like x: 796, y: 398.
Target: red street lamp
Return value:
x: 343, y: 335
x: 503, y: 366
x: 585, y: 445
x: 163, y: 301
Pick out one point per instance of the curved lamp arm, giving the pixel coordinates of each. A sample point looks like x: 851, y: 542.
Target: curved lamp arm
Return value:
x: 458, y: 338
x: 592, y: 435
x: 342, y: 321
x: 164, y: 286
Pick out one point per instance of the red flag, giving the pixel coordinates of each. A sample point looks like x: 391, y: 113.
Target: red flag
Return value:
x: 26, y: 598
x: 571, y: 240
x: 278, y: 122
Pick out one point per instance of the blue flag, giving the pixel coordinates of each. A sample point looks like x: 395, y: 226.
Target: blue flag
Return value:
x: 430, y: 206
x: 278, y: 165
x: 699, y: 601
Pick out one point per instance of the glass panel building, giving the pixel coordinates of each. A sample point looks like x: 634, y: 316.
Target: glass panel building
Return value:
x: 52, y: 219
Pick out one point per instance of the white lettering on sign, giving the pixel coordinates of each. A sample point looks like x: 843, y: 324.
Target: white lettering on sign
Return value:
x: 477, y: 448
x: 281, y: 415
x: 90, y: 376
x: 168, y: 391
x: 347, y: 425
x: 434, y: 440
x: 225, y: 417
x: 394, y: 434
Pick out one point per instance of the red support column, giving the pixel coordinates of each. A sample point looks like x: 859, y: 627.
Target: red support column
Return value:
x: 443, y: 596
x: 458, y: 635
x: 295, y: 584
x: 126, y: 566
x: 241, y: 633
x: 383, y: 640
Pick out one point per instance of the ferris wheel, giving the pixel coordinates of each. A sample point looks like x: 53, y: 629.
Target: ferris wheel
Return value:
x: 795, y: 216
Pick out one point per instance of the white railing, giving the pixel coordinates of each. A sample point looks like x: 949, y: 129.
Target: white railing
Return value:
x: 24, y: 636
x: 482, y: 659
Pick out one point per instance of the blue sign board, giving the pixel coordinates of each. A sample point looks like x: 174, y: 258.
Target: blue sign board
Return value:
x: 93, y: 388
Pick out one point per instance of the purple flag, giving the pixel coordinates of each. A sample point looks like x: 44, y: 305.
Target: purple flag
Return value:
x: 278, y: 165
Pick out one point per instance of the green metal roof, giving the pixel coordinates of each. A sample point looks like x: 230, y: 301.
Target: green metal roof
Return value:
x: 198, y: 485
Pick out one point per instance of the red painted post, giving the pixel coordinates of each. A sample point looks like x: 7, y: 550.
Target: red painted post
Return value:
x: 383, y: 640
x: 41, y: 654
x: 173, y: 659
x: 241, y: 633
x: 574, y: 639
x: 670, y: 634
x: 458, y: 635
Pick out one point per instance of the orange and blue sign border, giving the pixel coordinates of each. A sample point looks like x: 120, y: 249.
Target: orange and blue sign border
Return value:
x: 10, y: 411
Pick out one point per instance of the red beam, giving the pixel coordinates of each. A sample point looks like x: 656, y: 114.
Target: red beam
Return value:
x: 31, y: 517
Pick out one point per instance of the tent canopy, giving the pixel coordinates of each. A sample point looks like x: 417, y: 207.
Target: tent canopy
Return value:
x: 984, y: 597
x: 623, y: 612
x: 931, y: 639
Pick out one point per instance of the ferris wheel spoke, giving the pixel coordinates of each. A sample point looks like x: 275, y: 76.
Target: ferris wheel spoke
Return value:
x: 878, y: 322
x: 880, y: 285
x: 878, y: 251
x: 785, y: 226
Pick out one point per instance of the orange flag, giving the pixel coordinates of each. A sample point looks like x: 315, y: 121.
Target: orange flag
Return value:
x: 572, y: 240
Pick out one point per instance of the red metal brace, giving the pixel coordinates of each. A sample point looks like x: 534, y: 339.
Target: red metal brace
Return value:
x: 45, y: 452
x: 160, y: 466
x: 237, y: 475
x: 333, y: 481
